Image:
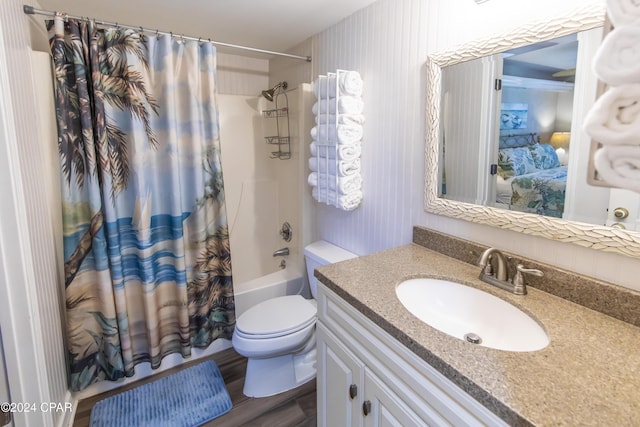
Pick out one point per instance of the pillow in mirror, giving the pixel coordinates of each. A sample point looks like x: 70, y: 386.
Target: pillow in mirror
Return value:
x: 544, y: 156
x: 515, y: 161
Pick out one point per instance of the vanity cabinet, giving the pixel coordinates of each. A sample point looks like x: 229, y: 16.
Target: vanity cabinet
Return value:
x: 367, y: 378
x: 351, y: 393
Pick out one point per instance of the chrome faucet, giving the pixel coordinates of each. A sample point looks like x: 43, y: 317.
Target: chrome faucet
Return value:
x: 501, y: 278
x: 281, y: 252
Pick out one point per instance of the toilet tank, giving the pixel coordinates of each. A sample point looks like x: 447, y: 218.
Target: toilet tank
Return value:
x: 322, y: 253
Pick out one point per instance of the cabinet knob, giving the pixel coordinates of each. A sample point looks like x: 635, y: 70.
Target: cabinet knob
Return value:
x: 366, y: 407
x: 353, y: 391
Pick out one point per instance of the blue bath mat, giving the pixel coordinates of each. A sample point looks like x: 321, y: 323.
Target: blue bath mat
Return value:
x: 187, y: 398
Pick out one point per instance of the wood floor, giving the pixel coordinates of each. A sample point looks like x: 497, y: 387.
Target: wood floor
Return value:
x: 295, y: 408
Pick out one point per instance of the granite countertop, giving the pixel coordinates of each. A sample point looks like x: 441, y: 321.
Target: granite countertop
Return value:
x: 589, y: 374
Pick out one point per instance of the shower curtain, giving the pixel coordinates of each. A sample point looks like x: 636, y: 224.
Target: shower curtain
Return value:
x: 147, y: 259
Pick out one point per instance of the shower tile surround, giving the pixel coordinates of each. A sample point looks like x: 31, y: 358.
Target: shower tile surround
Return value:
x: 588, y: 375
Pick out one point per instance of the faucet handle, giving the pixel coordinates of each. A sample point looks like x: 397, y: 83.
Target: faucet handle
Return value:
x: 488, y: 267
x: 520, y: 287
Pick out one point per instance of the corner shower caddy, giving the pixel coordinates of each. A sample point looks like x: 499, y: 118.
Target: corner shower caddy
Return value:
x: 280, y: 113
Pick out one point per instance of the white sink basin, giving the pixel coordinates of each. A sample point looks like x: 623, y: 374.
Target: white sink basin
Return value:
x: 468, y: 313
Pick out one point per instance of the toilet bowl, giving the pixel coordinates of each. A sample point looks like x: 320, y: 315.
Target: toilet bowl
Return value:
x: 277, y: 336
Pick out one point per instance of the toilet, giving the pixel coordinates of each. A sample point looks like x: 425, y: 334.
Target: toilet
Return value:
x: 278, y: 335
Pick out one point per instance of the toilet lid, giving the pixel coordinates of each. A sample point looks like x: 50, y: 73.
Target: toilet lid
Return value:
x: 277, y: 316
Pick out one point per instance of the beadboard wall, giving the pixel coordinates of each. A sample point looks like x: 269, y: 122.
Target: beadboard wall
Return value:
x: 31, y: 310
x: 241, y: 75
x: 388, y: 43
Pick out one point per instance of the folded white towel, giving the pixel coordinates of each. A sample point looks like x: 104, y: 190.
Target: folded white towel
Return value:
x: 350, y: 83
x: 345, y: 105
x: 623, y: 12
x: 343, y: 134
x: 347, y: 202
x: 341, y: 119
x: 619, y: 165
x: 617, y: 60
x: 615, y: 117
x: 344, y: 184
x: 320, y: 88
x: 340, y: 167
x: 344, y: 152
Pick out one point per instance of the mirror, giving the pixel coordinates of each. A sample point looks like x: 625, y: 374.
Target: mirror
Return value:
x: 523, y: 99
x: 459, y: 189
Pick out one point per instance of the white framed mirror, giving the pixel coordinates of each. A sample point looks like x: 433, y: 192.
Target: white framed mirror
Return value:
x: 568, y: 223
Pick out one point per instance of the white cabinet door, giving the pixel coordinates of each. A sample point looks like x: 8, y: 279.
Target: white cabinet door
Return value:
x: 383, y: 408
x: 401, y: 389
x: 340, y: 382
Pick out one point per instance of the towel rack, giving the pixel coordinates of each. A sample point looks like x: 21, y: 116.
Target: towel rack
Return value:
x: 327, y: 142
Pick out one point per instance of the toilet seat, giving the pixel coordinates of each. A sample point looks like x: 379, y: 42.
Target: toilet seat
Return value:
x: 276, y: 317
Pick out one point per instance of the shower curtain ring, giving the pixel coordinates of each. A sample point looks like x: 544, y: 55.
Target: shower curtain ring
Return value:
x: 64, y: 16
x: 157, y: 34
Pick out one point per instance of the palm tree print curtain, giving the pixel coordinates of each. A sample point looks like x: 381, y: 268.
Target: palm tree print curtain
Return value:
x: 147, y: 260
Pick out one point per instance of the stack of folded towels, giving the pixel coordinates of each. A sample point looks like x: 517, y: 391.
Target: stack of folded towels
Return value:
x: 336, y: 145
x: 614, y: 120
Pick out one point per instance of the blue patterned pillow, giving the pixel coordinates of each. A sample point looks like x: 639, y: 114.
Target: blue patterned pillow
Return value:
x: 544, y: 156
x: 515, y: 161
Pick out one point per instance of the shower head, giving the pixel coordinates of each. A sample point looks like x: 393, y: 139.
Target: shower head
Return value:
x: 269, y: 94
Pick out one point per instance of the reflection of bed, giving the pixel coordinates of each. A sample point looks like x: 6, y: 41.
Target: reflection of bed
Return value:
x: 530, y: 178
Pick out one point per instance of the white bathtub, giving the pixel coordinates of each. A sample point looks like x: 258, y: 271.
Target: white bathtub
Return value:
x: 289, y: 281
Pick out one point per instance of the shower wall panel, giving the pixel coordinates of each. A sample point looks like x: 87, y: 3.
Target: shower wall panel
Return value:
x: 251, y: 187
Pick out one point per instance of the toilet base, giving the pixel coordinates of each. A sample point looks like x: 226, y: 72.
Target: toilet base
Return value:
x: 267, y: 377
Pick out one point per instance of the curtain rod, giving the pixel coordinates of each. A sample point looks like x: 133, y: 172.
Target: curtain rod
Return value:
x: 30, y: 10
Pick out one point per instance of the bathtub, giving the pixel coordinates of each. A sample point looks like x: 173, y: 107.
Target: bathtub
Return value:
x: 289, y: 281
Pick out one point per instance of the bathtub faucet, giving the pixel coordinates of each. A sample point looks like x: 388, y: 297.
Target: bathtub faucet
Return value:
x: 281, y: 252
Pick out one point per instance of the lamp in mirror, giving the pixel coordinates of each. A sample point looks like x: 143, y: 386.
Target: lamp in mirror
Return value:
x: 560, y: 141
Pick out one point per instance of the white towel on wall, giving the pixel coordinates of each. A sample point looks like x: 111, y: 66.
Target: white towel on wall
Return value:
x: 344, y: 152
x: 344, y: 184
x: 347, y: 202
x: 619, y: 166
x: 345, y: 105
x: 340, y: 167
x: 341, y: 119
x: 350, y: 83
x: 615, y: 117
x: 343, y: 134
x: 617, y: 60
x: 624, y: 12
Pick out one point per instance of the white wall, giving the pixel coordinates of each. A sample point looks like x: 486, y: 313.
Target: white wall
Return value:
x: 388, y: 43
x: 241, y: 75
x: 29, y: 299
